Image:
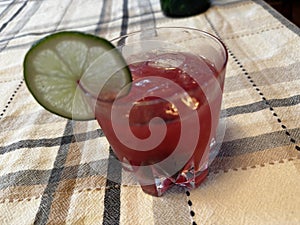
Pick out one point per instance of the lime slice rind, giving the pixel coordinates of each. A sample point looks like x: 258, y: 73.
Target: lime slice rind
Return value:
x: 56, y: 64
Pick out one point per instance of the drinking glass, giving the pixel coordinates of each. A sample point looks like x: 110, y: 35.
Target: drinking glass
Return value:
x: 163, y: 126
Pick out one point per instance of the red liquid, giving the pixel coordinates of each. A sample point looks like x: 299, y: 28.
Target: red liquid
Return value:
x: 149, y: 105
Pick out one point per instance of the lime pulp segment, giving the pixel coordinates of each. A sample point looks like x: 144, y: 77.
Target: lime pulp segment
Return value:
x: 63, y: 69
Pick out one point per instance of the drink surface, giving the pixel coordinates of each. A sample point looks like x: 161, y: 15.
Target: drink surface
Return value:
x: 154, y: 94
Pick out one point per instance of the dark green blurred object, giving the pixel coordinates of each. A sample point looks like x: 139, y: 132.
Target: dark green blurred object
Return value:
x: 183, y: 8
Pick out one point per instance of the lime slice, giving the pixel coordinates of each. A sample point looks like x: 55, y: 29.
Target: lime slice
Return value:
x: 63, y: 71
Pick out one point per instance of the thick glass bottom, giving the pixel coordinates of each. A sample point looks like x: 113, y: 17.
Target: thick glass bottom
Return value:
x: 188, y: 179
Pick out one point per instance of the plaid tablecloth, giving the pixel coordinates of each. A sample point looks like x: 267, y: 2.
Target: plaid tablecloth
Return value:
x: 54, y: 171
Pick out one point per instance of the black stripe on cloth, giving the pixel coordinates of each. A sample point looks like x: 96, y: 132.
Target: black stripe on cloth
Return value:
x: 36, y: 5
x: 125, y: 18
x: 255, y: 144
x: 7, y: 9
x: 55, y: 176
x: 233, y: 111
x: 13, y: 16
x: 258, y: 106
x: 24, y: 44
x: 43, y: 213
x: 32, y: 177
x: 24, y: 178
x: 112, y: 202
x: 112, y: 197
x: 102, y: 16
x: 21, y: 24
x: 228, y: 149
x: 124, y: 25
x: 31, y: 33
x: 51, y: 142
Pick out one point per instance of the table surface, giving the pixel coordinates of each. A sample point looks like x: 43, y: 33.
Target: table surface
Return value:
x: 54, y: 171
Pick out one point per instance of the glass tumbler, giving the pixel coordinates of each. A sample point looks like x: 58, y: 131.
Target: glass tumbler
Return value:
x: 162, y: 126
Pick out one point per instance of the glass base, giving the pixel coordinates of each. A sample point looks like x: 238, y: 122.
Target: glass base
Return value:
x: 187, y: 179
x: 158, y: 182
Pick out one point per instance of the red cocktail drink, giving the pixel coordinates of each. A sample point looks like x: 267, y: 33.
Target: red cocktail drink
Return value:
x: 163, y: 127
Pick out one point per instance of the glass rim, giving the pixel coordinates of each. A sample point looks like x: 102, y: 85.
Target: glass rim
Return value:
x: 205, y: 33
